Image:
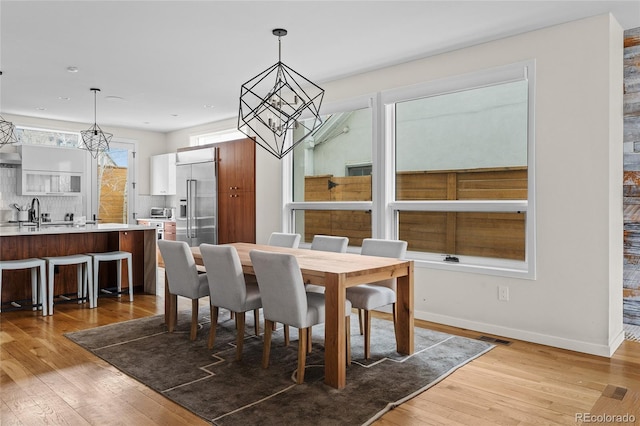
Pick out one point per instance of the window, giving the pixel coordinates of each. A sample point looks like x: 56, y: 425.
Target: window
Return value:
x: 221, y: 136
x: 461, y: 154
x: 31, y: 136
x: 450, y: 171
x: 331, y: 176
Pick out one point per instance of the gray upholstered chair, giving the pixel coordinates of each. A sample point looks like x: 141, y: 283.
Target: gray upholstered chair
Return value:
x: 281, y: 239
x: 285, y: 300
x: 327, y: 243
x: 227, y: 289
x: 376, y: 295
x: 183, y: 279
x: 330, y: 243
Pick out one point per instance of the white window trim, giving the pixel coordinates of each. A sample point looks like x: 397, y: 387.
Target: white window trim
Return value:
x: 384, y: 209
x: 502, y: 267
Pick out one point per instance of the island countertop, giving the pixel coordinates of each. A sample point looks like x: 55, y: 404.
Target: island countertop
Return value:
x: 7, y: 231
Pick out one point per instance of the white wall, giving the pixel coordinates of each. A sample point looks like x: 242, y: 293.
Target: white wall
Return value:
x: 576, y: 300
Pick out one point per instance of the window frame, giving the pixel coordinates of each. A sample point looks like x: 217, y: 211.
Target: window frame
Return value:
x: 290, y: 206
x: 384, y: 207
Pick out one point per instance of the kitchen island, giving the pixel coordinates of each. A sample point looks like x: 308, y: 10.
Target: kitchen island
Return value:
x: 20, y: 242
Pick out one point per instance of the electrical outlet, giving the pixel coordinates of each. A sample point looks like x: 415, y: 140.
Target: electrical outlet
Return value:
x: 503, y: 293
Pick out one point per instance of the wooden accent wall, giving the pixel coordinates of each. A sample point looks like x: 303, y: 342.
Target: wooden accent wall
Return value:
x: 470, y: 233
x: 631, y: 182
x: 353, y: 224
x: 113, y: 195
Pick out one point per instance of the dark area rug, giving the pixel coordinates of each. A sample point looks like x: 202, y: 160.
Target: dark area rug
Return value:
x: 213, y: 386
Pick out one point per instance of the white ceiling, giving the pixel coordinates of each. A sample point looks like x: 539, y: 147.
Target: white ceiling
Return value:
x: 158, y: 63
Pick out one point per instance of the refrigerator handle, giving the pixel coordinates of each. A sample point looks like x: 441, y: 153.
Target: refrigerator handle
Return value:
x: 194, y: 197
x: 188, y: 215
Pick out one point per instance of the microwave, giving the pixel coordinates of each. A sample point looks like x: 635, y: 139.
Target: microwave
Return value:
x: 160, y: 212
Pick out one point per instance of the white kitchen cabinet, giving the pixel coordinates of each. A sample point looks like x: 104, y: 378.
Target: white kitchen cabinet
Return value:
x: 163, y: 174
x: 50, y: 170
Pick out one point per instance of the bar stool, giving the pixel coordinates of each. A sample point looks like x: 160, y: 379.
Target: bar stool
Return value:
x: 85, y: 276
x: 38, y: 293
x: 118, y: 256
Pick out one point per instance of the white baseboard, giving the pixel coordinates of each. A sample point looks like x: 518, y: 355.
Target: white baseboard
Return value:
x: 528, y: 336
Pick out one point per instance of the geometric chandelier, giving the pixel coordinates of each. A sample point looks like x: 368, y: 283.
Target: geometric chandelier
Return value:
x: 7, y: 131
x: 273, y: 102
x: 95, y: 140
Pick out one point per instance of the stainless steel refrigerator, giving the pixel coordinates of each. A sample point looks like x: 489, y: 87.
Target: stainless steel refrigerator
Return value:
x: 196, y: 194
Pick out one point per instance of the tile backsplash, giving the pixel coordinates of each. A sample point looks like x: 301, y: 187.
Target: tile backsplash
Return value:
x: 59, y: 206
x: 56, y: 206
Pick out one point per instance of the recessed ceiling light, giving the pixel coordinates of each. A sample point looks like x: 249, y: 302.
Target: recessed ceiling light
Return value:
x: 114, y: 98
x: 174, y: 115
x: 72, y: 69
x: 146, y: 122
x: 64, y: 98
x: 41, y: 108
x: 209, y: 106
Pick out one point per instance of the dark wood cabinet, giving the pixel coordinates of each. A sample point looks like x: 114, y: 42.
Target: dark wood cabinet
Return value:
x: 236, y: 191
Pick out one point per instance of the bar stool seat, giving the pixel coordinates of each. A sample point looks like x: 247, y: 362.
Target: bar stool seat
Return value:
x: 85, y: 276
x: 38, y: 292
x: 118, y: 256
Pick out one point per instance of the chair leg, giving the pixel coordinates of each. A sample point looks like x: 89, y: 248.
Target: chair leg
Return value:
x: 360, y: 321
x: 302, y: 353
x: 194, y: 319
x: 266, y: 349
x: 50, y: 275
x: 367, y: 334
x: 347, y: 325
x: 256, y: 320
x: 130, y: 275
x: 44, y: 298
x: 286, y: 334
x: 309, y: 340
x: 214, y: 326
x: 172, y: 311
x: 119, y: 277
x: 395, y: 315
x: 34, y: 289
x: 240, y: 334
x: 80, y: 278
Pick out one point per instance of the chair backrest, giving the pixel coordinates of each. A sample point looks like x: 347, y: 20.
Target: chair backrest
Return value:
x: 180, y: 268
x: 282, y: 239
x: 396, y: 249
x: 384, y: 248
x: 227, y: 287
x: 330, y: 243
x: 281, y: 287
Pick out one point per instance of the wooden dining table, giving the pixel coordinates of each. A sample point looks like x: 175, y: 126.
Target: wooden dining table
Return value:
x: 336, y: 272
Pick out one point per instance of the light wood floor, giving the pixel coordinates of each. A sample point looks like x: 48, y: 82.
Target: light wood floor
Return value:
x: 47, y: 379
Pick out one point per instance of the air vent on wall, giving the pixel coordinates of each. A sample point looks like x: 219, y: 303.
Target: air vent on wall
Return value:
x: 494, y: 340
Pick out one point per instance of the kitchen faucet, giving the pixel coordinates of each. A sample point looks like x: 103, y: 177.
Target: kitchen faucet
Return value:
x: 35, y: 216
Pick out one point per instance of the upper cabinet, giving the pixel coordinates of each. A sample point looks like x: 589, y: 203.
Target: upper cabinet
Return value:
x: 163, y: 174
x: 51, y: 170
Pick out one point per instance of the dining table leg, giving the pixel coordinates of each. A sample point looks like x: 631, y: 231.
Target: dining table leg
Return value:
x: 335, y: 354
x: 404, y: 312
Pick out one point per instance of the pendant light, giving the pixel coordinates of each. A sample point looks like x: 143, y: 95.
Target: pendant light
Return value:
x: 273, y: 103
x: 7, y: 131
x: 94, y: 139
